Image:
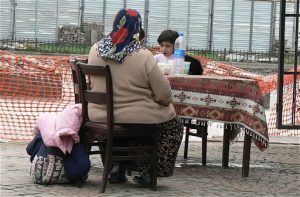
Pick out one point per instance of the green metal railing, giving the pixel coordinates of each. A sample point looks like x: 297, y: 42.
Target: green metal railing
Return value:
x: 84, y: 48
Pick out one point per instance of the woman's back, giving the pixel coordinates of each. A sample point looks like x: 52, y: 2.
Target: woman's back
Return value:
x: 141, y: 92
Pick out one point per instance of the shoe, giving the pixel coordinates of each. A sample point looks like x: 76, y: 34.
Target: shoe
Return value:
x: 117, y: 179
x: 142, y: 180
x: 117, y: 174
x: 80, y: 182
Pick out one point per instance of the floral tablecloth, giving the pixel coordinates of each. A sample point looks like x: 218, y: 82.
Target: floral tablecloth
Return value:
x: 232, y: 100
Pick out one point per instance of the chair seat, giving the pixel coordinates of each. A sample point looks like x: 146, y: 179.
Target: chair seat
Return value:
x: 96, y: 131
x: 103, y: 126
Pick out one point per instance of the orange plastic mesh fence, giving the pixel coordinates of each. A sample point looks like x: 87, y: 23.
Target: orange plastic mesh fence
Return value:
x: 287, y: 112
x: 33, y: 84
x: 29, y: 85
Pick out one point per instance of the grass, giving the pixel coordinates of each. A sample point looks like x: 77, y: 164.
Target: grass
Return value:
x: 60, y: 48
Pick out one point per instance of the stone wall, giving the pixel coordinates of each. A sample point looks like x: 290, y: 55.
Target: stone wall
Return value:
x: 92, y: 32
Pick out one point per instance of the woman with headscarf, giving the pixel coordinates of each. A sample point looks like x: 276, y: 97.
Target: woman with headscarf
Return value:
x: 142, y: 94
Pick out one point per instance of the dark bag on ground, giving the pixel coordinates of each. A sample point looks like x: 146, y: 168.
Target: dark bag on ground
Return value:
x: 49, y: 165
x: 77, y: 164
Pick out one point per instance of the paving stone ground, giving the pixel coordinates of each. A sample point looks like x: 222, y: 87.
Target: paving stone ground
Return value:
x: 274, y: 172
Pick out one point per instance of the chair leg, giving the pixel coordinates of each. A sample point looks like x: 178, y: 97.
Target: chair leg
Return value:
x: 107, y: 167
x: 204, y: 146
x: 186, y: 143
x: 246, y: 155
x: 226, y: 143
x: 154, y: 183
x: 154, y: 163
x: 105, y: 175
x: 154, y: 176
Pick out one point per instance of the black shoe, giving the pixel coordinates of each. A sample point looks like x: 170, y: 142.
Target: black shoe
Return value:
x: 79, y: 183
x: 117, y: 174
x: 117, y: 179
x: 142, y: 180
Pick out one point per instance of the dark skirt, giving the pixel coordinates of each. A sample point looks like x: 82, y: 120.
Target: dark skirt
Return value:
x: 170, y: 136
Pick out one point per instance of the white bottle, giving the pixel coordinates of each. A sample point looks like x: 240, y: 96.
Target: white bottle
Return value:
x: 180, y: 46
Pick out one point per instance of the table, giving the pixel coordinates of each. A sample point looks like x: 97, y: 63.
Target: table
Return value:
x: 235, y: 101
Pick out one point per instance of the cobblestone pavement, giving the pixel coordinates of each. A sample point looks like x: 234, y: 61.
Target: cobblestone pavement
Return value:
x: 274, y: 172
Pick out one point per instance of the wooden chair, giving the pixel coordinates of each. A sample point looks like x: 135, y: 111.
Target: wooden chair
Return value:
x: 74, y: 76
x: 201, y: 132
x: 92, y: 133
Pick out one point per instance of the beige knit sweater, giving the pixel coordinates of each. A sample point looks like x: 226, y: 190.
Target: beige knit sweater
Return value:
x: 142, y: 94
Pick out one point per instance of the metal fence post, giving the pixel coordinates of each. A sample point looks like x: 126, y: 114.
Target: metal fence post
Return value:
x: 36, y: 48
x: 13, y: 25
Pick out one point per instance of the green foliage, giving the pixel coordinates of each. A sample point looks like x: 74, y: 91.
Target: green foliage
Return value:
x: 64, y: 48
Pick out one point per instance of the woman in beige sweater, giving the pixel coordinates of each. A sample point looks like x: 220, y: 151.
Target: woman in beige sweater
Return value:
x: 142, y: 94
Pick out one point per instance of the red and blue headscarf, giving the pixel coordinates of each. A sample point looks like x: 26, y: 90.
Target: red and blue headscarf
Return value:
x: 124, y: 38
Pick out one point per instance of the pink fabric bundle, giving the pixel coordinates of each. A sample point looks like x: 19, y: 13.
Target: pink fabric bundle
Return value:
x: 60, y: 130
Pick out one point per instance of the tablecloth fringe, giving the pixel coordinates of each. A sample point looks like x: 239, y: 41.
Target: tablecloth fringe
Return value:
x: 254, y: 135
x: 194, y: 121
x: 244, y: 130
x: 241, y: 133
x: 232, y: 126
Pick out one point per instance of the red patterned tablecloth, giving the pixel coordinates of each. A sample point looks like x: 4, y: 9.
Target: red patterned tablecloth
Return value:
x: 230, y: 100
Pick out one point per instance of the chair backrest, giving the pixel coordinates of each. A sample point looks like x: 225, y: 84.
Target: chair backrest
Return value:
x: 74, y: 76
x: 86, y: 95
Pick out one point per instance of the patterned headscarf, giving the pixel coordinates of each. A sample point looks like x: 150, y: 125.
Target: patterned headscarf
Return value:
x: 124, y: 38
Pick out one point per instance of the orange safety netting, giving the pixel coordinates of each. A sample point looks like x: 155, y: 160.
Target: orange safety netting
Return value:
x: 30, y: 84
x: 286, y: 112
x: 266, y: 83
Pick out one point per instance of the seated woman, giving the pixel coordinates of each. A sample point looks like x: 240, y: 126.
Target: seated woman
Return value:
x: 142, y: 94
x: 166, y: 42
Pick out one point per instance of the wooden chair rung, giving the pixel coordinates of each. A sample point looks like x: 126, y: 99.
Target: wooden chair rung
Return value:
x: 126, y: 149
x: 131, y: 157
x: 95, y: 152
